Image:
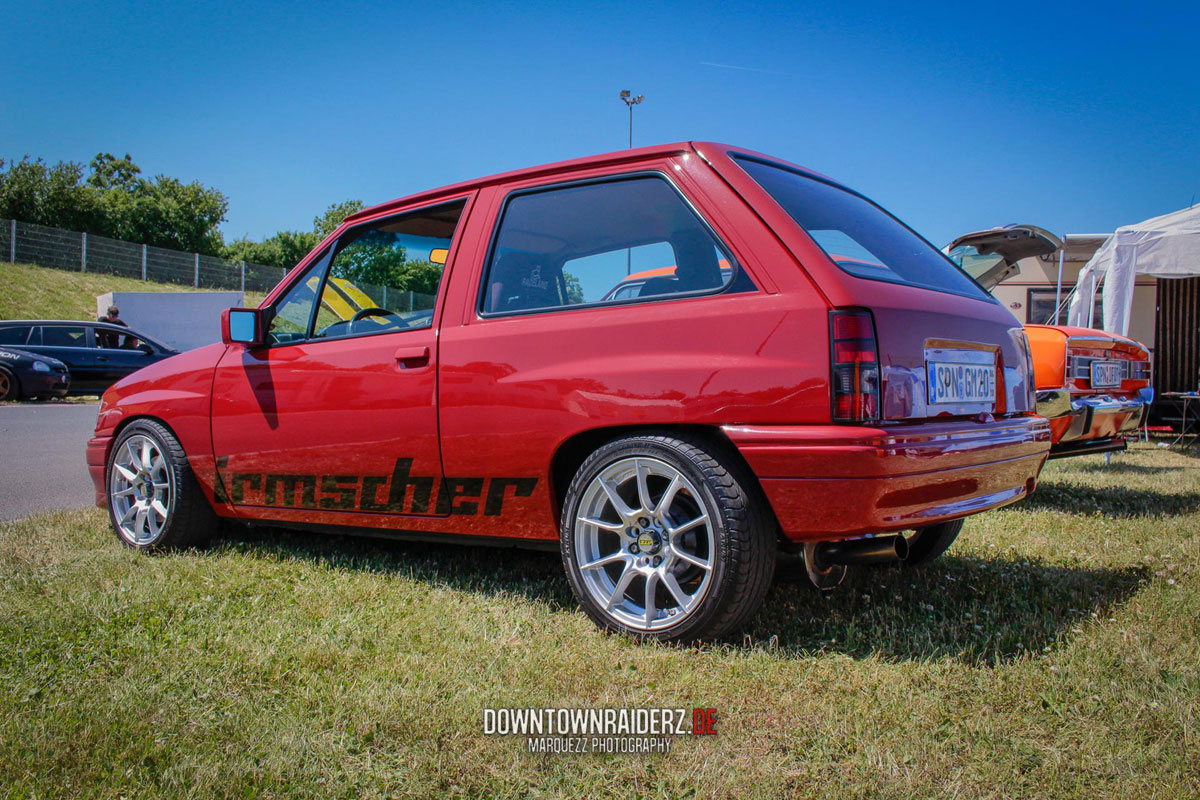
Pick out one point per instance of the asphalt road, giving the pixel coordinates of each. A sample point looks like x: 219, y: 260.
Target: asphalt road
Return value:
x: 41, y: 457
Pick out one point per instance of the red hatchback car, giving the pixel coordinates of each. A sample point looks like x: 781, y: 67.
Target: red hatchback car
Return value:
x: 853, y: 406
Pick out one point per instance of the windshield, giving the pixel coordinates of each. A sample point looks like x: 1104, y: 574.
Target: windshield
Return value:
x: 861, y: 238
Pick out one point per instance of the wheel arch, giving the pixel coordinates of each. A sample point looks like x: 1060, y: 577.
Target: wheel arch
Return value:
x: 572, y: 451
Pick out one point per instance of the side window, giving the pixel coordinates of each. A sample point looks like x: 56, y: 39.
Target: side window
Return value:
x: 66, y: 336
x: 601, y: 242
x: 290, y: 316
x: 385, y: 274
x: 16, y: 334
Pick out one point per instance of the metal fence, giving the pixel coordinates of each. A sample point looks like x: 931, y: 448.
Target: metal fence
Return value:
x: 83, y: 252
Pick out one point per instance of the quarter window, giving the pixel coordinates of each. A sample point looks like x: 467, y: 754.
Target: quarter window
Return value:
x: 615, y: 241
x: 14, y: 335
x: 291, y: 315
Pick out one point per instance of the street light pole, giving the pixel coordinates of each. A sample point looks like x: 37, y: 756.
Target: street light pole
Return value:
x: 631, y: 101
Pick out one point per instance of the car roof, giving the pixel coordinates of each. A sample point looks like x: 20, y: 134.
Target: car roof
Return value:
x: 631, y: 156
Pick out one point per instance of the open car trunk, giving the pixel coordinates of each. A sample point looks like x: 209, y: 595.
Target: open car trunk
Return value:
x: 991, y: 256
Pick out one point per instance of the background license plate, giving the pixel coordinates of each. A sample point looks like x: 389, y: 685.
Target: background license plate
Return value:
x: 950, y: 382
x: 1106, y: 373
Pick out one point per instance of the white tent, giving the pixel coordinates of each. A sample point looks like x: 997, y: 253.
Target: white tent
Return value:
x: 1165, y: 247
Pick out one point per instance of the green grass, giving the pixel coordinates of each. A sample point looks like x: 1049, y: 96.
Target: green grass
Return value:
x: 1055, y: 652
x: 32, y: 292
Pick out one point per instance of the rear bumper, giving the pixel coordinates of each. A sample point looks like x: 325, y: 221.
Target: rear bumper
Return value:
x: 97, y: 455
x: 832, y: 482
x: 1091, y: 417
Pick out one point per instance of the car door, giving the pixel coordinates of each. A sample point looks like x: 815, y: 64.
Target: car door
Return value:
x: 71, y: 343
x: 120, y: 353
x: 338, y: 411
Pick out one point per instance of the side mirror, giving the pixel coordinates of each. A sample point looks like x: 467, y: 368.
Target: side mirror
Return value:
x: 243, y: 326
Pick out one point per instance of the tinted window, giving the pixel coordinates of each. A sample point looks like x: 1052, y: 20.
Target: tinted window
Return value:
x: 588, y: 243
x: 858, y: 236
x: 66, y: 336
x: 386, y: 274
x: 16, y: 334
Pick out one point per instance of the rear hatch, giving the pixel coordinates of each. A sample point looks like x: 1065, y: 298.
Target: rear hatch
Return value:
x: 991, y: 256
x: 945, y: 347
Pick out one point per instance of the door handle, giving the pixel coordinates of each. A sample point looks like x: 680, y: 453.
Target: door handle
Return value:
x: 410, y: 357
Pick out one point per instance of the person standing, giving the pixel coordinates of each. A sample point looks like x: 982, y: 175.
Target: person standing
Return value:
x: 108, y: 338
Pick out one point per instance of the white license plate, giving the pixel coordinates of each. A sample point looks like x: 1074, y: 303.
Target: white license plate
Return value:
x: 951, y: 382
x: 1106, y: 374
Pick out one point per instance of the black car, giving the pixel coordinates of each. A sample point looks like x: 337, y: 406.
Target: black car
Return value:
x: 25, y: 374
x: 97, y: 353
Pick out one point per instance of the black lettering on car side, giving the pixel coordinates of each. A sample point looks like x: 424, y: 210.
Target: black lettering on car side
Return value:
x: 522, y: 487
x: 388, y: 493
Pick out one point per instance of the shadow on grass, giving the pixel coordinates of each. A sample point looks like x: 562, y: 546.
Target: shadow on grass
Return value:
x: 493, y: 571
x: 978, y: 611
x: 1112, y: 501
x: 1124, y: 468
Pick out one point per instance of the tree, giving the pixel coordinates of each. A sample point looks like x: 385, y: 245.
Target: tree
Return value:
x: 114, y: 201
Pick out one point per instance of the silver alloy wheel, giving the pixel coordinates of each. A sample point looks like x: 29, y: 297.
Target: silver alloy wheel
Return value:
x: 141, y: 490
x: 644, y: 543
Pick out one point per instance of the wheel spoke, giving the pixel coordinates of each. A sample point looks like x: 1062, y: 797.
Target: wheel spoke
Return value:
x: 127, y: 474
x: 615, y: 527
x: 651, y: 608
x: 124, y: 492
x: 159, y: 509
x: 642, y: 489
x: 612, y: 558
x: 133, y: 459
x: 153, y: 522
x: 161, y: 486
x: 146, y: 453
x: 619, y: 590
x: 668, y: 497
x: 619, y: 505
x: 139, y: 524
x: 128, y: 515
x: 683, y: 598
x: 157, y: 465
x: 687, y: 526
x: 691, y: 559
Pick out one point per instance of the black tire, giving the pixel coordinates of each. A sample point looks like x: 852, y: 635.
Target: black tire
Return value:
x: 742, y: 560
x: 927, y: 544
x: 10, y: 387
x: 190, y: 520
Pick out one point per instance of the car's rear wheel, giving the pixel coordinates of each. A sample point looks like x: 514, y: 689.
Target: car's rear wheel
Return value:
x: 928, y: 543
x: 154, y: 501
x: 10, y: 387
x: 666, y: 537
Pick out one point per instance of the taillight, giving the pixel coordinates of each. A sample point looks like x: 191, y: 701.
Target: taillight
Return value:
x: 855, y: 366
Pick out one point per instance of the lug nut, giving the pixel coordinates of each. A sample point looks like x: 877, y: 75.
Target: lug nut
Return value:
x: 643, y: 521
x: 657, y: 560
x: 633, y: 548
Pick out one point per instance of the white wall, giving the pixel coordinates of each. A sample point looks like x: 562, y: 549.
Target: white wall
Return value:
x: 183, y: 320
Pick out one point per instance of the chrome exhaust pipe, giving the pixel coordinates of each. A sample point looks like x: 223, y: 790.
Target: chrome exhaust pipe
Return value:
x: 873, y: 550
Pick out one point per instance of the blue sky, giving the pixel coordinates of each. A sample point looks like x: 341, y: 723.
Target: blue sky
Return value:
x: 1078, y: 117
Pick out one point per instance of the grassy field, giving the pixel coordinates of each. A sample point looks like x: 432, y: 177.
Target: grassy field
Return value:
x: 32, y: 292
x: 1055, y: 652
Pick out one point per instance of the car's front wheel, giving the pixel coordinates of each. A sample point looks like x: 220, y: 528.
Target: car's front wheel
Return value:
x: 154, y: 501
x: 667, y: 537
x: 10, y: 387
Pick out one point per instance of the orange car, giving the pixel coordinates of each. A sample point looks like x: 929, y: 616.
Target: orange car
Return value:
x: 1093, y: 386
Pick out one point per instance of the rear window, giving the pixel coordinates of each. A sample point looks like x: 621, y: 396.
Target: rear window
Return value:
x: 16, y: 334
x: 857, y: 235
